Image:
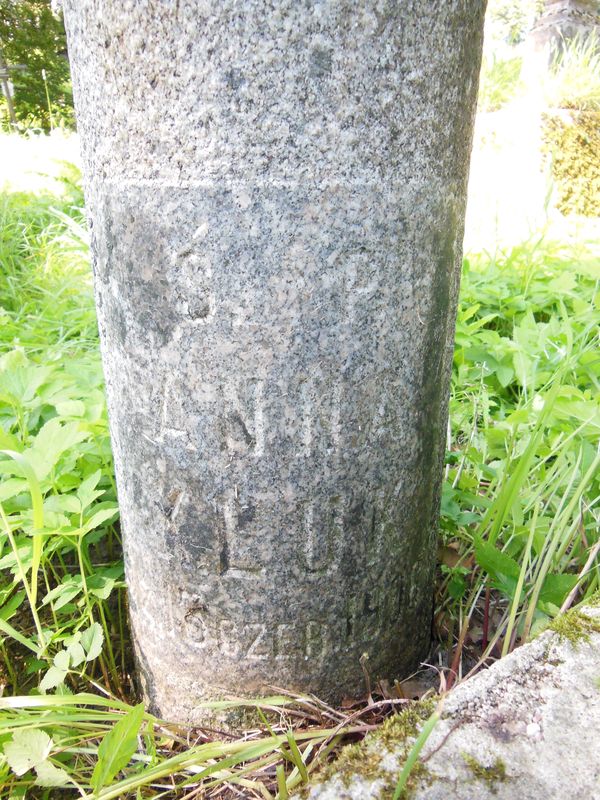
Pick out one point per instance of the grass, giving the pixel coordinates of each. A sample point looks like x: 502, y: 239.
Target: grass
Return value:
x: 519, y: 527
x: 574, y: 78
x: 499, y: 81
x: 520, y: 502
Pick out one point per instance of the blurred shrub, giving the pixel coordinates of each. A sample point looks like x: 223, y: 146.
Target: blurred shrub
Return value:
x: 511, y: 20
x: 572, y: 142
x: 31, y: 35
x: 574, y: 77
x: 500, y: 80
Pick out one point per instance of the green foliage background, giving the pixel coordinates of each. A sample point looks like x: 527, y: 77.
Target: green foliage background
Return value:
x: 32, y: 35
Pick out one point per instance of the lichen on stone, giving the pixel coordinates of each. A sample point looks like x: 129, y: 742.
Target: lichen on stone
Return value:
x: 491, y: 775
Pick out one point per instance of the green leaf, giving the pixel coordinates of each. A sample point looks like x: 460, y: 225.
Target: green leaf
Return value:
x: 53, y: 678
x: 64, y: 592
x: 51, y: 442
x: 8, y: 629
x: 23, y: 382
x: 505, y: 374
x: 457, y: 586
x: 12, y: 487
x: 413, y: 755
x: 70, y: 408
x: 556, y: 587
x: 9, y: 609
x: 48, y: 775
x: 76, y: 654
x: 117, y: 748
x: 61, y: 660
x: 71, y: 586
x: 63, y: 503
x: 9, y: 561
x: 87, y: 492
x: 92, y: 640
x: 101, y: 516
x: 494, y: 561
x: 101, y: 587
x: 27, y: 749
x: 37, y: 504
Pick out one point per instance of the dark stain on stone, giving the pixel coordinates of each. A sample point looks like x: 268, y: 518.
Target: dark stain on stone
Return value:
x: 118, y: 322
x: 171, y: 502
x: 109, y: 239
x: 246, y: 515
x: 198, y: 309
x: 373, y: 520
x: 400, y: 596
x: 368, y: 606
x: 320, y: 62
x: 355, y: 514
x: 197, y: 608
x: 234, y: 78
x: 239, y: 424
x: 224, y: 555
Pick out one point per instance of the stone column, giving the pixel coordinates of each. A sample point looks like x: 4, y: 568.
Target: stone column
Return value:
x: 276, y: 192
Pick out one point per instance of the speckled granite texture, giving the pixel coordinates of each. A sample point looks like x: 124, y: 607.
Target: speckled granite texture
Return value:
x: 277, y: 195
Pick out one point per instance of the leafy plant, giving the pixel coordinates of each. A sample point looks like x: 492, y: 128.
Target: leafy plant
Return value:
x: 60, y: 554
x: 523, y: 475
x: 117, y: 748
x: 499, y: 81
x: 512, y: 19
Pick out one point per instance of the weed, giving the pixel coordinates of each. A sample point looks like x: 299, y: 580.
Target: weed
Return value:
x: 520, y: 499
x: 574, y: 78
x: 499, y: 82
x: 404, y: 734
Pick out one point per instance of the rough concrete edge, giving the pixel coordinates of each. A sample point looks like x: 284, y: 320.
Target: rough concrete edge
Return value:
x: 370, y: 770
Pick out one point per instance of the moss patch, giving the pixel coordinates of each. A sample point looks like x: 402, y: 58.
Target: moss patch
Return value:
x: 492, y: 775
x: 405, y: 724
x: 572, y: 141
x: 364, y: 760
x: 575, y: 626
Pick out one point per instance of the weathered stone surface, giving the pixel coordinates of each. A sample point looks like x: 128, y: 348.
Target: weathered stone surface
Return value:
x: 277, y: 195
x: 525, y: 729
x: 563, y: 20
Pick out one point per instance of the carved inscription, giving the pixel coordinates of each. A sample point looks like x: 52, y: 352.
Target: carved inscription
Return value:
x: 321, y: 419
x: 255, y: 641
x: 190, y: 276
x: 369, y: 615
x: 244, y: 418
x: 196, y: 413
x: 242, y: 548
x: 323, y: 532
x: 172, y: 424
